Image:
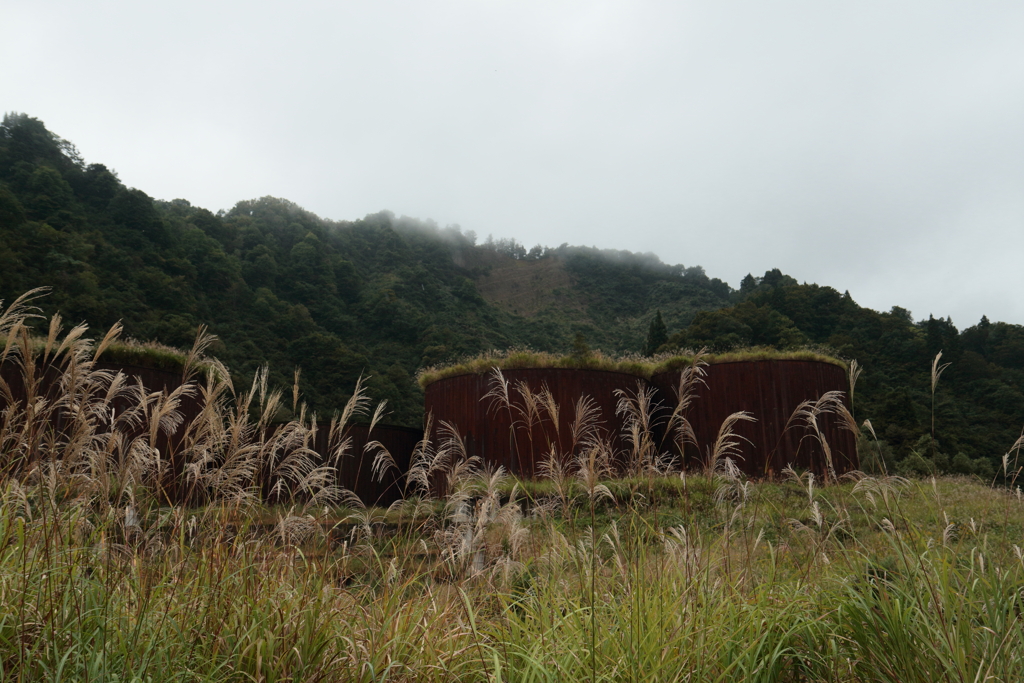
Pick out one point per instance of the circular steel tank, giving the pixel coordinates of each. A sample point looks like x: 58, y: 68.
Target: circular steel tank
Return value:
x: 512, y: 436
x: 770, y: 390
x: 355, y: 471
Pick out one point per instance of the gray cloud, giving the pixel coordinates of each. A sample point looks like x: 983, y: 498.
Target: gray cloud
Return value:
x: 873, y: 146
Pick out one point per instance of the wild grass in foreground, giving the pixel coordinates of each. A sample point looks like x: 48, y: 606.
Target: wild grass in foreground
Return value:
x: 660, y: 576
x: 879, y: 580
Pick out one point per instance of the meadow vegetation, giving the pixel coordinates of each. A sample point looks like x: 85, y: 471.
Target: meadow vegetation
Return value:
x: 269, y: 571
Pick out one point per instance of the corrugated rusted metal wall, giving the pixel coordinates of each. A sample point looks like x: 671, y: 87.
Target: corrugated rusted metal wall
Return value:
x: 355, y: 470
x: 770, y: 390
x: 485, y: 425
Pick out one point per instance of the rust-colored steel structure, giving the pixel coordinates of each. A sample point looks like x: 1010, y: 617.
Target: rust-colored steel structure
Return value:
x: 355, y: 470
x: 507, y: 435
x: 770, y: 390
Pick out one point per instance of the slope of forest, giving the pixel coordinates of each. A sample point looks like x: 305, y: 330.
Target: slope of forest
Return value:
x: 381, y: 296
x: 384, y: 296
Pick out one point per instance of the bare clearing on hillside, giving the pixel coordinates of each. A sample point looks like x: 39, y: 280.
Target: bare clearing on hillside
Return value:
x: 522, y: 286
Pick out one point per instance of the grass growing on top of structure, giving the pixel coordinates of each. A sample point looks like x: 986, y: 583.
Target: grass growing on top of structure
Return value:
x: 127, y: 351
x: 639, y: 366
x: 149, y: 354
x: 516, y: 359
x: 678, y: 361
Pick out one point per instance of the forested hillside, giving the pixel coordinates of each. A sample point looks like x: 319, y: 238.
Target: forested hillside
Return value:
x: 381, y: 296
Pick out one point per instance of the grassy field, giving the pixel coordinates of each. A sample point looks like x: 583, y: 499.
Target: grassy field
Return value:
x: 582, y: 576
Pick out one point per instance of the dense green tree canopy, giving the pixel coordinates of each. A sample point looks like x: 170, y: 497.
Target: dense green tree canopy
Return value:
x: 381, y: 296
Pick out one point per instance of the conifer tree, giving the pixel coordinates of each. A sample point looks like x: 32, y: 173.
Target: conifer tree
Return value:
x: 657, y: 334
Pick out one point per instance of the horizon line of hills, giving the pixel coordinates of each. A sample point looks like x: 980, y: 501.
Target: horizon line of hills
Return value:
x: 385, y: 295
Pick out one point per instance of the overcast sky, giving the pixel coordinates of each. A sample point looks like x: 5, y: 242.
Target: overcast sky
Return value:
x: 871, y: 146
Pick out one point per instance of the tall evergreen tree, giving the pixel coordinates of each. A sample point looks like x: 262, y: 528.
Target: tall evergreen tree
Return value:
x: 657, y: 334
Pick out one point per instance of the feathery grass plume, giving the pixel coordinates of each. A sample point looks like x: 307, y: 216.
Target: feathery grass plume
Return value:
x: 881, y: 458
x: 555, y: 468
x: 727, y: 444
x: 546, y: 402
x: 51, y: 338
x: 196, y: 357
x: 586, y: 423
x: 454, y: 463
x: 417, y: 477
x: 109, y: 338
x: 339, y: 438
x: 461, y: 542
x: 638, y: 411
x: 937, y: 370
x: 846, y: 419
x: 691, y: 378
x: 499, y: 398
x: 529, y: 412
x: 1009, y: 478
x: 380, y: 456
x: 295, y: 530
x: 1015, y: 449
x: 383, y: 461
x: 853, y: 374
x: 290, y: 462
x: 593, y: 466
x: 809, y: 412
x: 295, y: 388
x: 498, y: 395
x: 495, y: 527
x: 13, y: 319
x: 791, y: 474
x: 887, y: 487
x: 730, y: 485
x: 936, y: 373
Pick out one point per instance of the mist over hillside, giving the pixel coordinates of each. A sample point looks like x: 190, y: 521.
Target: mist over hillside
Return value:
x: 383, y: 296
x: 380, y: 296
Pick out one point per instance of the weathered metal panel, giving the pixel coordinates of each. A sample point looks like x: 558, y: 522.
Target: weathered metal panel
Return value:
x: 486, y: 423
x: 355, y: 468
x: 770, y: 390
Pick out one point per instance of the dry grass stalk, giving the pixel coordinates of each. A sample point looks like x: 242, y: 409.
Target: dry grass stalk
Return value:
x: 691, y: 378
x: 638, y: 411
x: 727, y: 444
